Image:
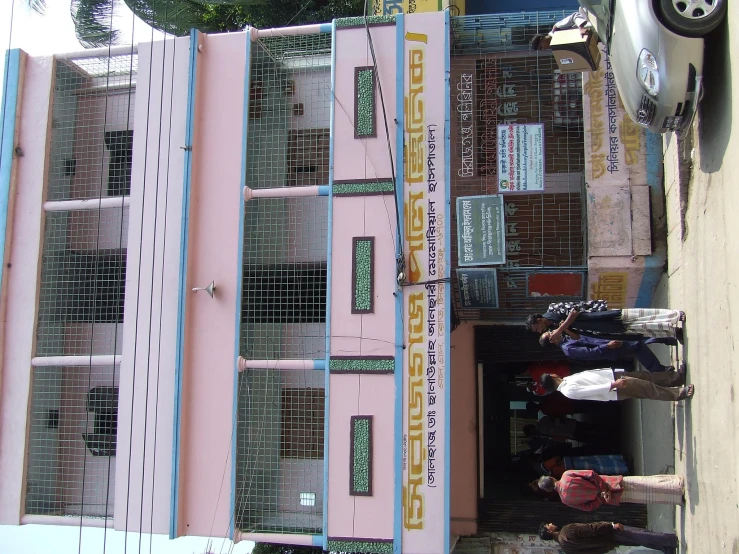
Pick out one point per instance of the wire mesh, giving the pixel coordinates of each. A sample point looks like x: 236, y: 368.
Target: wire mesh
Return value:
x: 283, y: 313
x: 91, y: 127
x: 81, y: 299
x: 280, y: 451
x: 70, y: 449
x: 496, y: 79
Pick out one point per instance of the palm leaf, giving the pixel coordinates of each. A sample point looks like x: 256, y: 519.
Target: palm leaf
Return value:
x: 93, y: 22
x: 39, y: 6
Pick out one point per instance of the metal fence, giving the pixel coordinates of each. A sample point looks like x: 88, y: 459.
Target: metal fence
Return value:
x: 497, y: 79
x: 74, y: 403
x: 279, y: 476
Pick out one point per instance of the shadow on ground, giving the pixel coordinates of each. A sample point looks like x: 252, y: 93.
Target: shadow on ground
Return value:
x: 714, y: 121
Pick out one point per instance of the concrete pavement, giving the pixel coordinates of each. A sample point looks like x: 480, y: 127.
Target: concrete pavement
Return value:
x: 700, y: 438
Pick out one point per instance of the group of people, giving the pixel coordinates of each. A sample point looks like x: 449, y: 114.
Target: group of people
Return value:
x: 590, y: 332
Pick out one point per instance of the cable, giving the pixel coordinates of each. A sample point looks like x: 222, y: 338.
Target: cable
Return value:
x: 136, y: 324
x: 400, y: 261
x: 94, y: 296
x: 164, y: 255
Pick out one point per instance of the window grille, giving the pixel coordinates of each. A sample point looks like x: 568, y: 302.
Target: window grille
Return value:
x: 74, y: 408
x: 280, y: 451
x: 509, y: 83
x: 73, y: 425
x: 280, y: 431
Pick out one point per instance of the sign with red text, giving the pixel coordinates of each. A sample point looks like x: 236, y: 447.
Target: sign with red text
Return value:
x: 521, y: 157
x: 425, y: 304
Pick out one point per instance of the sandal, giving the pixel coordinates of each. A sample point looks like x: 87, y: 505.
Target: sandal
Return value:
x: 687, y: 393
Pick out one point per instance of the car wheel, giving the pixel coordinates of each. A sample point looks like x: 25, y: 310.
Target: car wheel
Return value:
x: 692, y: 18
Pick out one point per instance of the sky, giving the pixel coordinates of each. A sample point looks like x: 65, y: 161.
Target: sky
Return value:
x: 47, y: 34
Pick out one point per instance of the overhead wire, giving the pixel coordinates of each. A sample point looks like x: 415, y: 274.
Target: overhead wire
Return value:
x: 94, y: 296
x: 120, y: 239
x: 164, y: 255
x: 136, y: 322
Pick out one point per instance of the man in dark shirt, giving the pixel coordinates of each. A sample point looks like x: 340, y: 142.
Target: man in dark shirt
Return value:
x: 583, y: 348
x: 602, y: 536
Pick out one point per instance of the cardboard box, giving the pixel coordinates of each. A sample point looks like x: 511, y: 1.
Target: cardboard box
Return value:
x: 574, y: 52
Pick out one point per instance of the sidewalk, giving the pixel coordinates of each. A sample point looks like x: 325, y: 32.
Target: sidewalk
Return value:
x: 699, y: 438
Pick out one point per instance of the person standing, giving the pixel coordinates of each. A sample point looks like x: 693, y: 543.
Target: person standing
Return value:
x: 601, y: 537
x: 593, y: 318
x: 586, y: 490
x: 603, y: 386
x: 576, y: 20
x: 583, y: 348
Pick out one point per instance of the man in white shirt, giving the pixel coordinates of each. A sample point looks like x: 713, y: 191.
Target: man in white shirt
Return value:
x: 602, y: 385
x: 577, y: 20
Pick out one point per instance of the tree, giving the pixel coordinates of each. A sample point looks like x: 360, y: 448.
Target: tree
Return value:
x: 93, y: 22
x: 269, y: 548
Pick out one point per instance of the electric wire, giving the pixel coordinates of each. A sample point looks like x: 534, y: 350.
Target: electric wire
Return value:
x: 164, y: 256
x: 94, y: 296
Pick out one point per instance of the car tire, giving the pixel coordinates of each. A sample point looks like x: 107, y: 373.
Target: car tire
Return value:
x: 675, y: 19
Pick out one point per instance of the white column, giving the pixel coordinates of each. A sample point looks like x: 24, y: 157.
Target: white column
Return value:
x: 102, y: 360
x: 107, y: 202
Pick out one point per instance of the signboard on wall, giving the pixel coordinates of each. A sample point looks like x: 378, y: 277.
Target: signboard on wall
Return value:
x: 478, y: 288
x: 425, y: 475
x: 521, y: 157
x: 481, y: 230
x: 616, y: 149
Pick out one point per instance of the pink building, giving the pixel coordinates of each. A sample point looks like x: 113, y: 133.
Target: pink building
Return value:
x: 305, y: 397
x: 231, y: 272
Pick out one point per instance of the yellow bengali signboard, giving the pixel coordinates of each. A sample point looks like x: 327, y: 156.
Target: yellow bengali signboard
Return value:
x: 425, y: 494
x: 391, y: 7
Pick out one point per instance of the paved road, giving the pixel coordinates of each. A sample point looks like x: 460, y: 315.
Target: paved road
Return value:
x: 701, y: 439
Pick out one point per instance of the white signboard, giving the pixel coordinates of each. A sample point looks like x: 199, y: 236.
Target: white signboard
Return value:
x: 521, y: 157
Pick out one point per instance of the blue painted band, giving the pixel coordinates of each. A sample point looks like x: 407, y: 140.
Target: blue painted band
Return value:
x: 319, y: 364
x: 447, y: 286
x: 399, y: 182
x: 324, y: 190
x: 326, y: 28
x: 329, y: 258
x: 240, y: 274
x: 11, y: 84
x: 182, y: 285
x: 318, y: 540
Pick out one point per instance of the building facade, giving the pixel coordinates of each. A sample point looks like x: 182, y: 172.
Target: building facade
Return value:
x: 231, y: 275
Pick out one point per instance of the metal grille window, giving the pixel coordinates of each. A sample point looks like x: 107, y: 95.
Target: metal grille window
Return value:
x: 74, y: 390
x: 301, y: 420
x: 280, y: 451
x: 120, y: 146
x: 497, y: 79
x: 307, y: 154
x: 71, y: 441
x: 294, y: 293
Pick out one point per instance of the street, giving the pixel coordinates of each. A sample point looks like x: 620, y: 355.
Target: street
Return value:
x: 702, y: 204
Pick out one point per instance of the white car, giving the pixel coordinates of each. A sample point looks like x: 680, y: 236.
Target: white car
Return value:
x: 656, y: 53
